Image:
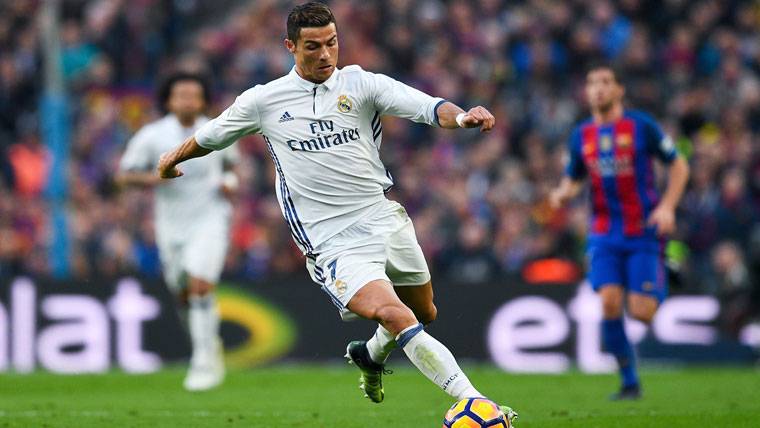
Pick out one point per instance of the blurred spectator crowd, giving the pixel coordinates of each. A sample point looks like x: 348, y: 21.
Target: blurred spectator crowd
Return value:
x: 478, y: 200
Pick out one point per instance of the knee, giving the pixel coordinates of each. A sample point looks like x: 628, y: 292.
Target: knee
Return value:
x: 395, y: 318
x: 199, y: 287
x: 428, y: 314
x: 612, y: 308
x: 644, y: 315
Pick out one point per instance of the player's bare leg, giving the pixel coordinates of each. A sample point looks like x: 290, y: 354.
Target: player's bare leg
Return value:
x: 377, y: 301
x: 642, y: 307
x: 206, y: 364
x: 616, y: 341
x: 612, y: 296
x: 370, y: 356
x: 419, y: 299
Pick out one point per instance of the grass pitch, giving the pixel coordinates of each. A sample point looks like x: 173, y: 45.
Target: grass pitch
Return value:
x: 328, y: 396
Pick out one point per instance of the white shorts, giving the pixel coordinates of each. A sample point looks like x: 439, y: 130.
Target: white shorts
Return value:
x: 382, y: 245
x: 200, y: 253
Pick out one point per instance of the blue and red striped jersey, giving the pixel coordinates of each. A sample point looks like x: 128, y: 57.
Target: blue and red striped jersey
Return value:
x: 617, y: 157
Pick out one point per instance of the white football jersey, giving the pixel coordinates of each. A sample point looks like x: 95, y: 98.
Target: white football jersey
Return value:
x: 185, y: 204
x: 324, y: 140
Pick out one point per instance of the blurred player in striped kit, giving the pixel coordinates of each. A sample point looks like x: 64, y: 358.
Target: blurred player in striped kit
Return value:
x: 615, y: 149
x: 192, y: 216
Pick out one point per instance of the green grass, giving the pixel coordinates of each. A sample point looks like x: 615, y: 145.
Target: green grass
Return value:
x: 328, y: 396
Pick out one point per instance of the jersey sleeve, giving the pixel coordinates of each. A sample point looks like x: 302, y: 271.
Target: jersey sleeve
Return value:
x: 658, y: 143
x: 575, y: 169
x: 240, y: 119
x: 394, y: 98
x: 138, y: 156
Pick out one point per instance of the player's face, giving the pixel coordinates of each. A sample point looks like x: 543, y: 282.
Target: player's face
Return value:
x: 186, y: 99
x: 602, y: 89
x: 315, y: 52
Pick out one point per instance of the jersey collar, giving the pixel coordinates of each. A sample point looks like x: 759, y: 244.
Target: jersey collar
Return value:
x: 309, y: 86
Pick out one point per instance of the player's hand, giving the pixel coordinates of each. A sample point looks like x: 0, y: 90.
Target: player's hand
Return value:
x: 167, y: 168
x: 230, y: 184
x: 479, y: 116
x: 663, y: 218
x: 557, y: 199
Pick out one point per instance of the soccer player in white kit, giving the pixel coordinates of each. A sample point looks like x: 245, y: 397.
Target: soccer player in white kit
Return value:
x: 322, y: 128
x: 192, y: 216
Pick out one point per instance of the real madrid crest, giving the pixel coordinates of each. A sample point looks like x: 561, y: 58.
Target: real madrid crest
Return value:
x: 341, y: 287
x: 344, y: 104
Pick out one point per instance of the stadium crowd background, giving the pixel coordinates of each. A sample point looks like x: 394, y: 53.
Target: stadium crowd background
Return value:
x: 478, y: 201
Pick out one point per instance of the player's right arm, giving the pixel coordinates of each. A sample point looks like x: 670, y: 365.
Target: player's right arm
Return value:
x: 167, y: 164
x: 572, y: 183
x: 566, y: 191
x: 240, y: 119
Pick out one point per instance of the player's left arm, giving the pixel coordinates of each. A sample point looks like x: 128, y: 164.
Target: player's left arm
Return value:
x: 394, y: 98
x: 452, y: 116
x: 663, y: 217
x: 167, y: 164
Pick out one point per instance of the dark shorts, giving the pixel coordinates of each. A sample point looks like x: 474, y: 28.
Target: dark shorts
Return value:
x: 638, y: 268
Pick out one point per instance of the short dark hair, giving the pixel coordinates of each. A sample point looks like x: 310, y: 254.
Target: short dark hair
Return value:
x: 606, y: 65
x: 166, y: 86
x: 312, y: 14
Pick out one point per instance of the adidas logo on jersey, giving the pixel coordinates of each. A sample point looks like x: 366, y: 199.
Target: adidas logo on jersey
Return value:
x: 286, y: 117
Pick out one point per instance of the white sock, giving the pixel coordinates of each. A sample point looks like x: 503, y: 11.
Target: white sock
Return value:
x: 203, y: 322
x: 381, y: 344
x: 436, y: 362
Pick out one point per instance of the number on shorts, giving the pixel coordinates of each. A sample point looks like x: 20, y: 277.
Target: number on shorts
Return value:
x: 333, y: 265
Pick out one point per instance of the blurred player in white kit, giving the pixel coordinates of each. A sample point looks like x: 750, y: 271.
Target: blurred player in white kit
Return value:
x: 192, y: 216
